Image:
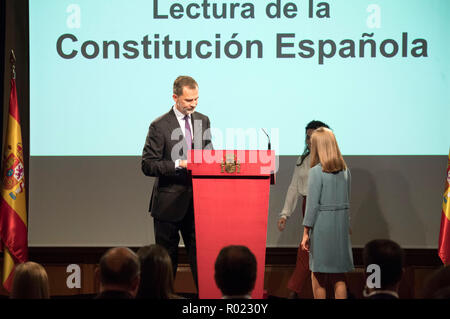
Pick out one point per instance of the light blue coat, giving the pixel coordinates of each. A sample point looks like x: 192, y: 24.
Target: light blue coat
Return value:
x: 327, y: 213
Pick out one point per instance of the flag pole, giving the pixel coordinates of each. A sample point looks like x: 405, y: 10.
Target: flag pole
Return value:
x: 12, y: 60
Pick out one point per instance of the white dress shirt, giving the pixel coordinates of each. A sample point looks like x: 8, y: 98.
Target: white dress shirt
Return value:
x: 298, y: 187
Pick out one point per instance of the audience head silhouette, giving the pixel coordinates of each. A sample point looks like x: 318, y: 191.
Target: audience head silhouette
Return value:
x: 119, y: 272
x: 30, y: 282
x: 389, y: 256
x: 235, y: 271
x: 156, y: 273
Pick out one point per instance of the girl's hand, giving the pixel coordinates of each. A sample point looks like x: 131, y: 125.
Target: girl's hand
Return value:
x: 305, y: 242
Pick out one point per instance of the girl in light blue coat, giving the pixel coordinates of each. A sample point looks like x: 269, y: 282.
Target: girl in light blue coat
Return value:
x: 326, y: 224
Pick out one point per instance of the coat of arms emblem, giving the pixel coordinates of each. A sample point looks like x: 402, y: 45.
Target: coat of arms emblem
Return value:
x: 14, y: 172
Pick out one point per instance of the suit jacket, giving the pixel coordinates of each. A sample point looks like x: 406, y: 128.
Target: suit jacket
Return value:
x: 165, y: 143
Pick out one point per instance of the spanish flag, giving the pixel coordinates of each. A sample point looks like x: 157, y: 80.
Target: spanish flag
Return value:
x: 444, y: 235
x: 13, y: 210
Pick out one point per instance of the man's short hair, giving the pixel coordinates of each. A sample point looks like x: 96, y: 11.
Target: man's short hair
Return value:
x: 235, y: 270
x: 181, y: 82
x: 389, y: 256
x: 119, y: 266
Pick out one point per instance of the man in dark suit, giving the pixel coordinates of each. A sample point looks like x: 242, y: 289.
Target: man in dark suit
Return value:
x: 169, y: 138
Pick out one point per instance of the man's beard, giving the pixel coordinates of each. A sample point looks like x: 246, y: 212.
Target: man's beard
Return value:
x: 185, y: 110
x: 189, y: 112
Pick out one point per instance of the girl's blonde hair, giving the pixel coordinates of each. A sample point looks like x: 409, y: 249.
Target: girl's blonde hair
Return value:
x: 325, y: 150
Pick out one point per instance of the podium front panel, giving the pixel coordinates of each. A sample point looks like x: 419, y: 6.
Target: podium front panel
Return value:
x: 229, y: 211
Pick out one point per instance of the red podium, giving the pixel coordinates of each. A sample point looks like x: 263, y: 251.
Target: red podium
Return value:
x: 231, y: 202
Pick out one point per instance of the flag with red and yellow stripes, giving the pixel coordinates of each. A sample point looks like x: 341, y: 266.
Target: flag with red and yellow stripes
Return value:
x: 13, y: 211
x: 444, y: 235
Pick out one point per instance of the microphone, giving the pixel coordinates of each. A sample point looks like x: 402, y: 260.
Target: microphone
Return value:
x: 268, y: 145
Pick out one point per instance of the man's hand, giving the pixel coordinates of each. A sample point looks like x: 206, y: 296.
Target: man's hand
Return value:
x: 183, y: 164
